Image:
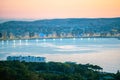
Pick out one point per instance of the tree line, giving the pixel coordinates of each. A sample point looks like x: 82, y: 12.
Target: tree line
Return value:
x: 15, y: 70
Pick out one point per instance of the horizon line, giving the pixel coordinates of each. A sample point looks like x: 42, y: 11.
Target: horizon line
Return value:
x: 3, y: 20
x: 60, y: 18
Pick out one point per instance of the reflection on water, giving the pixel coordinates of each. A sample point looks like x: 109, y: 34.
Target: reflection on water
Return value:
x: 81, y: 38
x: 61, y: 39
x: 26, y: 42
x: 20, y: 42
x: 44, y: 39
x: 74, y: 38
x: 37, y: 40
x: 2, y: 42
x: 7, y: 42
x: 101, y: 51
x: 53, y: 39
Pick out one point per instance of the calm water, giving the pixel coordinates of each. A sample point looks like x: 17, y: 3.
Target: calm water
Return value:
x: 104, y: 52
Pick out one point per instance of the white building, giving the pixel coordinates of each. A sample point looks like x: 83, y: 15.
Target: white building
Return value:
x: 26, y: 58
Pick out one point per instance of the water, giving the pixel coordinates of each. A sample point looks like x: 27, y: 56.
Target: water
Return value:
x: 104, y: 52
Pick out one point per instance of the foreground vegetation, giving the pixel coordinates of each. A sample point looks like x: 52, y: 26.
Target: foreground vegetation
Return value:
x: 15, y: 70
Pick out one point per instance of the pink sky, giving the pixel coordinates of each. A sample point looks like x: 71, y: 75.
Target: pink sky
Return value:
x: 38, y: 9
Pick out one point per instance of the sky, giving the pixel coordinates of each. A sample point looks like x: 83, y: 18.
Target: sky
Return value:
x: 42, y: 9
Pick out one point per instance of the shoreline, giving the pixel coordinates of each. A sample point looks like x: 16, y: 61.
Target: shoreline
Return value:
x: 59, y: 38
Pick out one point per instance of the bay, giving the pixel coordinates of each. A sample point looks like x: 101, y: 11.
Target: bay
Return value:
x: 104, y: 52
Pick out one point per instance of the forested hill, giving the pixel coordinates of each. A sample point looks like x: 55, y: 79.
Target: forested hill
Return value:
x: 71, y: 27
x: 14, y: 70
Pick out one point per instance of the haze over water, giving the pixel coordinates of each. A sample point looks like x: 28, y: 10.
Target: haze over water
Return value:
x: 99, y: 51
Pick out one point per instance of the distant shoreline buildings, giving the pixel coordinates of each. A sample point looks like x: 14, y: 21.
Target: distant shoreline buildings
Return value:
x: 26, y: 58
x: 65, y: 35
x: 61, y: 28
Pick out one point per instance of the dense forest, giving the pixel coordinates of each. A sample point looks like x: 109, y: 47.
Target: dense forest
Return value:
x: 15, y: 70
x: 61, y: 28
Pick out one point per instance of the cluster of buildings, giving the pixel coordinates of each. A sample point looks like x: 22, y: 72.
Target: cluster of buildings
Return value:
x: 28, y: 35
x: 26, y: 58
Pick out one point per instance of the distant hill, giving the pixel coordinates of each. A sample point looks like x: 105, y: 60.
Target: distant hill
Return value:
x: 70, y: 27
x: 3, y: 20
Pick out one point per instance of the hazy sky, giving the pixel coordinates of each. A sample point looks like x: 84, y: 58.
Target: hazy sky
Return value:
x: 59, y: 8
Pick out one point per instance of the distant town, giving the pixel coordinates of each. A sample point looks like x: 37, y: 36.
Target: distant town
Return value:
x: 61, y: 28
